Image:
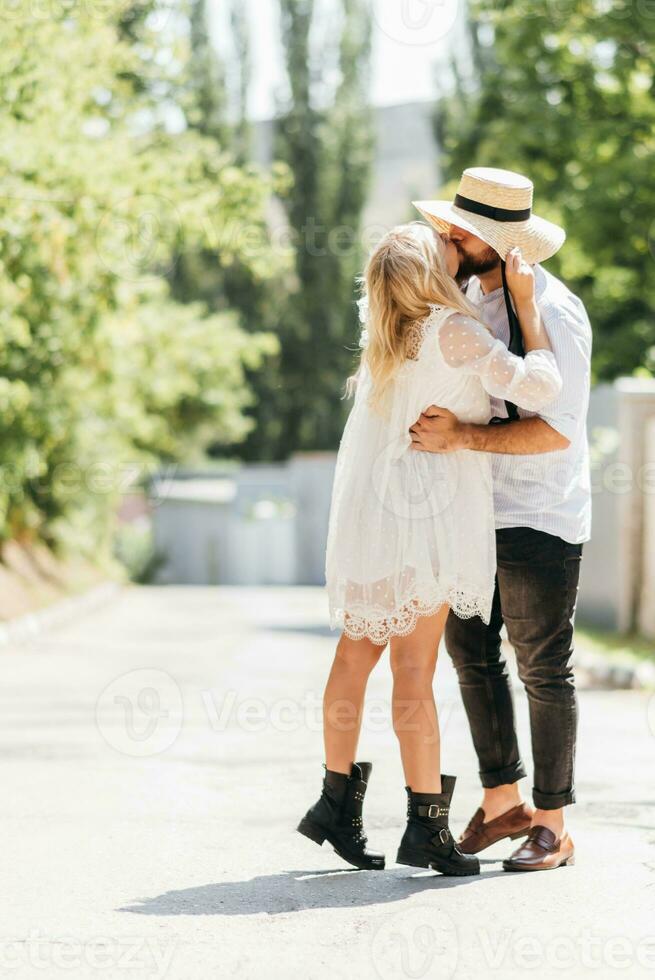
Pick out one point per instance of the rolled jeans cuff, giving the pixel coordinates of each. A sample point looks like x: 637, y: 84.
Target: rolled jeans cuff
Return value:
x: 502, y: 777
x: 552, y: 801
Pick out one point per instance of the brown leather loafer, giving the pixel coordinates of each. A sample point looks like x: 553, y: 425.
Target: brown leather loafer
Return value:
x: 542, y: 851
x: 480, y: 834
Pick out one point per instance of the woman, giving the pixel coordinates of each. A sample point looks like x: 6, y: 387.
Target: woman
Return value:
x: 411, y: 534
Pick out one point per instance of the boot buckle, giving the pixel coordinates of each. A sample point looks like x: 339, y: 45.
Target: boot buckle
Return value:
x: 434, y: 811
x: 444, y: 836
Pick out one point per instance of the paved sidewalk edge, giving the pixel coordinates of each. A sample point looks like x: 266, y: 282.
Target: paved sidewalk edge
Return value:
x: 58, y: 613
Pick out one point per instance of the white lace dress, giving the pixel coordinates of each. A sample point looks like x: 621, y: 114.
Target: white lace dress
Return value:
x: 412, y: 530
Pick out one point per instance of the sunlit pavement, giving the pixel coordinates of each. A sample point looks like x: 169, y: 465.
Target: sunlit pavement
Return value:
x: 157, y: 755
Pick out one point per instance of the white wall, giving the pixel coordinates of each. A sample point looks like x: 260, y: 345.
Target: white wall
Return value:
x: 617, y: 587
x: 237, y: 530
x: 647, y: 590
x: 312, y: 475
x: 636, y: 409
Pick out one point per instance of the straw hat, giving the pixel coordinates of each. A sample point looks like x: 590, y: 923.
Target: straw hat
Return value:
x: 496, y: 206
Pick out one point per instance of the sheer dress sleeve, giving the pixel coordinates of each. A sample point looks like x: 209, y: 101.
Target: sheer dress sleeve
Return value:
x: 530, y: 382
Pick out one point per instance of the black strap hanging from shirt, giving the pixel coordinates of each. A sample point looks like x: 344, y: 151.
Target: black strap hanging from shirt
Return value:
x: 515, y: 346
x: 515, y: 336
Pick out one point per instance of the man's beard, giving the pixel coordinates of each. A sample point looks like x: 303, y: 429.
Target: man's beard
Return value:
x: 470, y: 265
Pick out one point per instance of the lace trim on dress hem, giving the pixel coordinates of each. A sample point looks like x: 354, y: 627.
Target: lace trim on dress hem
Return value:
x: 359, y: 622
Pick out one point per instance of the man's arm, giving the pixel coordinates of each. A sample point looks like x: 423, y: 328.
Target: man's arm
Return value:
x: 440, y: 431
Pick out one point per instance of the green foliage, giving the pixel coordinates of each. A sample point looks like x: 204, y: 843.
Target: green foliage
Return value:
x: 225, y: 281
x: 134, y: 548
x: 101, y: 369
x: 323, y: 150
x: 206, y: 101
x: 326, y: 140
x: 564, y: 91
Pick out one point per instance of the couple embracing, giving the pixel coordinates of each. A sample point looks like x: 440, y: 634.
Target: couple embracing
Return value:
x: 460, y: 503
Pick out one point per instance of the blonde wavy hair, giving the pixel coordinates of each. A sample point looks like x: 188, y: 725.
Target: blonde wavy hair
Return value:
x: 405, y: 274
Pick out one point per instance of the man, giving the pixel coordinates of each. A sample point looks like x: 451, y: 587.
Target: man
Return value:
x: 542, y: 503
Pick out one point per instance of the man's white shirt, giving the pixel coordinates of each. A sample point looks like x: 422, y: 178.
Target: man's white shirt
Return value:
x: 548, y: 491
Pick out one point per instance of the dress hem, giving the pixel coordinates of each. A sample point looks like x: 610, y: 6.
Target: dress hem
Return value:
x: 358, y: 623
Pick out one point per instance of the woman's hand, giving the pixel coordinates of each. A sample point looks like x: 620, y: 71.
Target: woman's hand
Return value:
x: 520, y: 277
x: 521, y: 282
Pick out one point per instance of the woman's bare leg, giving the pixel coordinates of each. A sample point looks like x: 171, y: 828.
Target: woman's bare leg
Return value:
x: 343, y: 701
x: 415, y: 720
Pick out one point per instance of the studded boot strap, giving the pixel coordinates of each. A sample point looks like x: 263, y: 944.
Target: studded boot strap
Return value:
x: 353, y: 806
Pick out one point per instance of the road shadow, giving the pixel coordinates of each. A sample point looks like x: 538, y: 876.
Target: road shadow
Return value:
x: 312, y: 629
x: 294, y: 891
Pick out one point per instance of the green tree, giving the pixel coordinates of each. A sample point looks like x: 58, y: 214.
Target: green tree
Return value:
x: 243, y: 66
x: 219, y: 278
x: 323, y: 150
x: 101, y: 370
x: 325, y: 137
x: 205, y: 104
x: 565, y: 92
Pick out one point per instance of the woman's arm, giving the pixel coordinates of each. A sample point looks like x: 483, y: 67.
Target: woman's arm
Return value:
x: 531, y: 382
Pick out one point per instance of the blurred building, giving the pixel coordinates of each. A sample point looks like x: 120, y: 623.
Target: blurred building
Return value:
x: 406, y: 163
x: 405, y: 168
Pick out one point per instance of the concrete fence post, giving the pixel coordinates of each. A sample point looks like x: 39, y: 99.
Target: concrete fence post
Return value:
x: 647, y: 597
x: 636, y: 407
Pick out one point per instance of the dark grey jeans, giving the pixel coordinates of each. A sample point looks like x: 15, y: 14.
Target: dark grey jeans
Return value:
x: 535, y: 596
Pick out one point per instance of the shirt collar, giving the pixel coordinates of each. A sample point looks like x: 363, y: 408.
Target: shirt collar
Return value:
x: 474, y: 292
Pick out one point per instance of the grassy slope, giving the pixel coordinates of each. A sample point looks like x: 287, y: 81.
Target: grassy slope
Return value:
x: 620, y: 646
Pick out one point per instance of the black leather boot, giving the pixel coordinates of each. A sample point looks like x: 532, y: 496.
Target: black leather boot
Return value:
x: 337, y: 817
x: 427, y: 841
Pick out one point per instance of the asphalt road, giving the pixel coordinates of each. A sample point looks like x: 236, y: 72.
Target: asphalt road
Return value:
x: 157, y: 754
